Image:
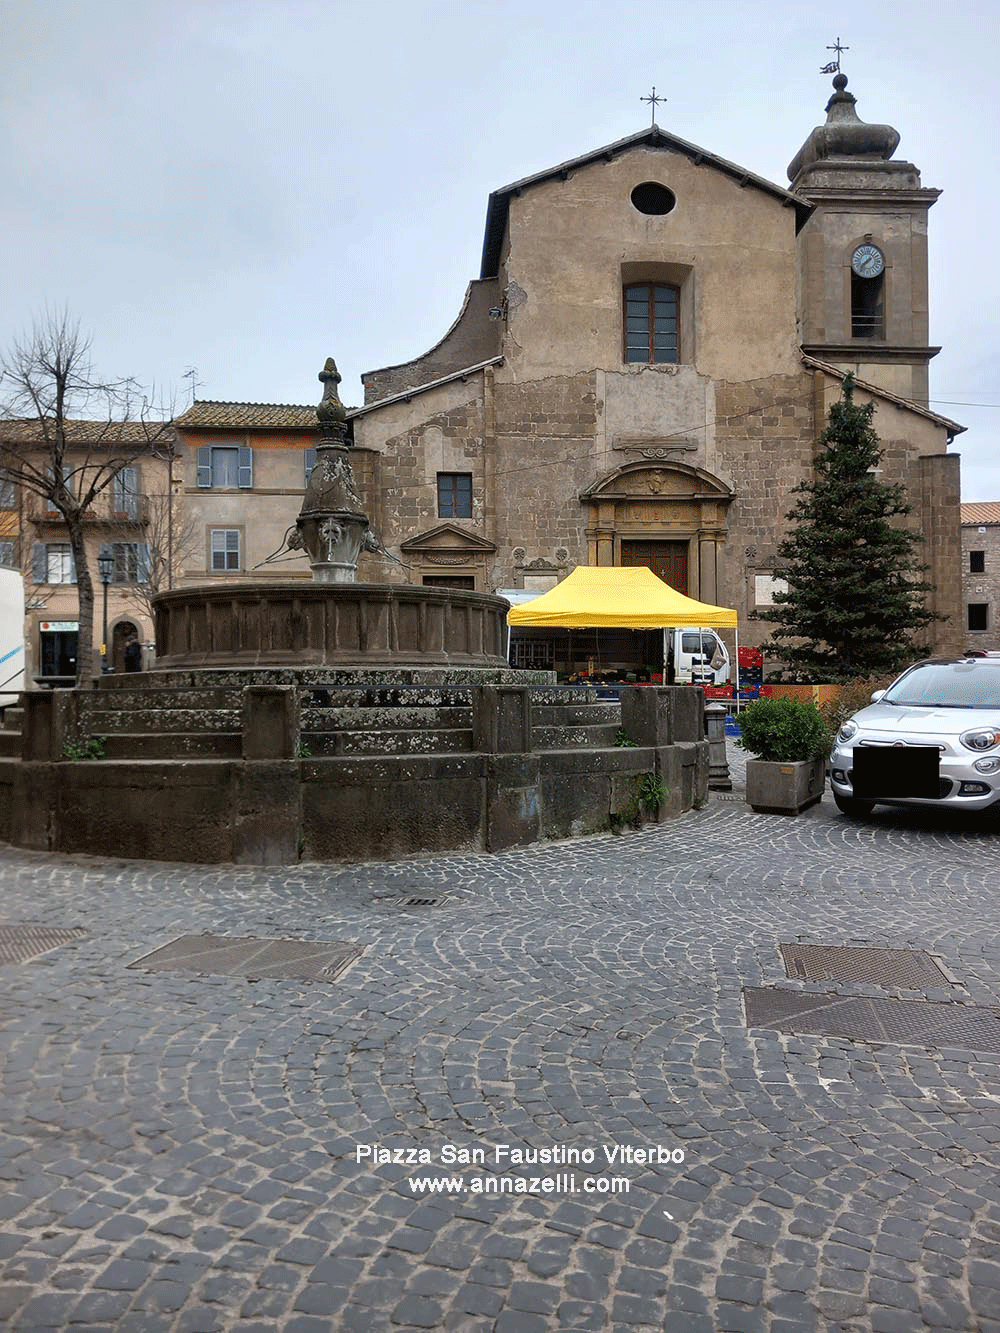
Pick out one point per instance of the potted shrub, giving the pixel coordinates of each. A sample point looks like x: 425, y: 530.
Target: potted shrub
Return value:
x: 791, y: 742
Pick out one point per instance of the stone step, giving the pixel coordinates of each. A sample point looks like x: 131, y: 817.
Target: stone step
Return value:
x: 571, y: 714
x: 165, y: 699
x: 382, y: 719
x: 157, y: 721
x: 11, y: 719
x: 453, y: 740
x: 575, y: 738
x: 396, y: 696
x: 174, y: 745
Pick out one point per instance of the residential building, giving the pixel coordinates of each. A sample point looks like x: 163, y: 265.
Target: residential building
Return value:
x: 981, y: 575
x: 125, y: 523
x: 243, y: 469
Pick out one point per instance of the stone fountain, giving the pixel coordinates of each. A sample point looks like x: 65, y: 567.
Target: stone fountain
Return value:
x: 332, y: 720
x: 333, y: 621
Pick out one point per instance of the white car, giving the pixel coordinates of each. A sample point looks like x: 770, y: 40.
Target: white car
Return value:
x: 931, y: 739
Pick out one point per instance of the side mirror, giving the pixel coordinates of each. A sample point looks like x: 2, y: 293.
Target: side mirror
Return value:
x: 877, y: 695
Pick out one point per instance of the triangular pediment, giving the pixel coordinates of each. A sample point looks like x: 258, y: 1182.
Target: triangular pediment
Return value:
x: 652, y: 137
x: 448, y: 539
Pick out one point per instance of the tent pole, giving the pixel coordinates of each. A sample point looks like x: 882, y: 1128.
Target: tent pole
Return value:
x: 737, y: 694
x: 664, y: 655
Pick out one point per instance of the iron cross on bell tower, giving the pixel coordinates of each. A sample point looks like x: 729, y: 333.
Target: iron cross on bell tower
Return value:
x: 834, y: 66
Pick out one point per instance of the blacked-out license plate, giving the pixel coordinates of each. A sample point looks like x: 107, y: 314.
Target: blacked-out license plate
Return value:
x: 903, y: 771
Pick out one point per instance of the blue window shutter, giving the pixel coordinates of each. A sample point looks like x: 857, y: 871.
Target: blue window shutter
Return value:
x: 72, y: 566
x: 143, y: 564
x: 204, y: 465
x: 246, y: 468
x: 310, y: 462
x: 130, y: 491
x: 39, y: 563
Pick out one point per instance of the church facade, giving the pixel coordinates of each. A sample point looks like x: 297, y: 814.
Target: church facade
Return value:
x: 642, y: 370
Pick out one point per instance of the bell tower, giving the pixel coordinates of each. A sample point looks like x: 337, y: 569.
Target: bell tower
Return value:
x: 863, y: 252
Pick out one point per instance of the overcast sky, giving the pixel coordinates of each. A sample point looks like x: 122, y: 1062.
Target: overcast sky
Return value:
x: 249, y: 186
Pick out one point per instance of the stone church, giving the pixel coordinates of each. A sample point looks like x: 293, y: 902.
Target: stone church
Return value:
x: 641, y: 371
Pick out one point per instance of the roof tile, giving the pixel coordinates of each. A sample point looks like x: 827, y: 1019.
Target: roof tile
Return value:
x: 981, y: 513
x: 248, y: 416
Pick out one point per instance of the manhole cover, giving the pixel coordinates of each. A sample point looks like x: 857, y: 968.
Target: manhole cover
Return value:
x: 293, y: 960
x: 907, y: 1022
x: 19, y: 943
x: 904, y: 969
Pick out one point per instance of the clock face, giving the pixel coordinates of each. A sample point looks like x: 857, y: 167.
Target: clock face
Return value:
x: 867, y: 261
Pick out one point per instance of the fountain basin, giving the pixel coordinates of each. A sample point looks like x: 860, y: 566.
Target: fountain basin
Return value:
x: 329, y: 624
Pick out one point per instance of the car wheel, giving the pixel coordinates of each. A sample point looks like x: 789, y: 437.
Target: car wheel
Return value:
x: 850, y: 805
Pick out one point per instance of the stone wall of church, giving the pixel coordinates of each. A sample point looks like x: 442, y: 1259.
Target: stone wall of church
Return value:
x: 545, y: 433
x: 765, y: 434
x: 408, y: 444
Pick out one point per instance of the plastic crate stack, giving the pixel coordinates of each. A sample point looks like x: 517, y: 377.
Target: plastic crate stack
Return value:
x: 751, y: 673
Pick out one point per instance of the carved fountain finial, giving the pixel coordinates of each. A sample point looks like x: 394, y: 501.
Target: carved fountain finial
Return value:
x: 332, y: 526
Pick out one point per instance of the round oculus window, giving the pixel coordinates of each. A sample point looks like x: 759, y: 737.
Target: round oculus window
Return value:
x: 653, y: 199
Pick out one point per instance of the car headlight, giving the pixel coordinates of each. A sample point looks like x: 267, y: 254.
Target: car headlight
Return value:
x: 848, y: 730
x: 983, y: 738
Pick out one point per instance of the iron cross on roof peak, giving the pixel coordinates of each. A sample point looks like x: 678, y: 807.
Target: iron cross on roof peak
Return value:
x: 652, y: 99
x: 834, y: 66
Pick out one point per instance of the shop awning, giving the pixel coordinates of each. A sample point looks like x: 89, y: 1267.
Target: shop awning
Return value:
x: 630, y: 598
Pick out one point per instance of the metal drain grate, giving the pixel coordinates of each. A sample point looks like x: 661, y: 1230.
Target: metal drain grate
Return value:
x: 906, y: 1022
x: 904, y: 969
x: 19, y: 943
x: 218, y: 955
x: 415, y: 900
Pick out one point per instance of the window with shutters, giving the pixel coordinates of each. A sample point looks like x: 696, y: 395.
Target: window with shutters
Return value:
x: 309, y: 461
x: 125, y: 493
x: 225, y: 467
x: 225, y: 551
x: 8, y: 492
x: 8, y: 554
x: 52, y: 562
x: 131, y: 562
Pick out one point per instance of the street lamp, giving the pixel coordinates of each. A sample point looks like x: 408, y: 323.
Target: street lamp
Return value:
x: 105, y: 568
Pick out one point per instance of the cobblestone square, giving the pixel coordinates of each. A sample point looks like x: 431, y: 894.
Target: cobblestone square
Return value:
x: 534, y: 1106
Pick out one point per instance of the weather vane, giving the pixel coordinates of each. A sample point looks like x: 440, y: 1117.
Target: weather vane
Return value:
x: 834, y: 66
x: 653, y: 100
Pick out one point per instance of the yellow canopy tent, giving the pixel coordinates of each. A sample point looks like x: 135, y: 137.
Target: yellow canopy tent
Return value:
x: 627, y: 598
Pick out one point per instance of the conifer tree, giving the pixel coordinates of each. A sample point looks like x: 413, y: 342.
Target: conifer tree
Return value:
x: 855, y: 594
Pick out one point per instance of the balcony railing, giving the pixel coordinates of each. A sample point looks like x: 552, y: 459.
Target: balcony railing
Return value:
x: 105, y: 511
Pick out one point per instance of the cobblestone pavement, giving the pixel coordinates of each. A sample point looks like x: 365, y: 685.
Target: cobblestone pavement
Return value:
x: 179, y: 1152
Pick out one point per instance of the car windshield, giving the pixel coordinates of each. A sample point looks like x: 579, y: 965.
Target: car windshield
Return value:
x: 947, y: 685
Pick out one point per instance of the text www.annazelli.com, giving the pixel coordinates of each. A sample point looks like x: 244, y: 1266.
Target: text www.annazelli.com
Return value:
x: 563, y: 1182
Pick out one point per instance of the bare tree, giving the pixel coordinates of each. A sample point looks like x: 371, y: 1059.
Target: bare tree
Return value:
x: 67, y: 432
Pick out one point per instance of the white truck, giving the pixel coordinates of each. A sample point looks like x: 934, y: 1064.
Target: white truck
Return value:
x: 697, y: 657
x: 11, y: 636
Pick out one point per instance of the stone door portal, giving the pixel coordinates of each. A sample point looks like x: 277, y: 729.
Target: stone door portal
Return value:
x: 667, y: 560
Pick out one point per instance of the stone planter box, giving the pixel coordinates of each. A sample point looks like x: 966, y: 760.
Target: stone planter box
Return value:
x: 784, y: 789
